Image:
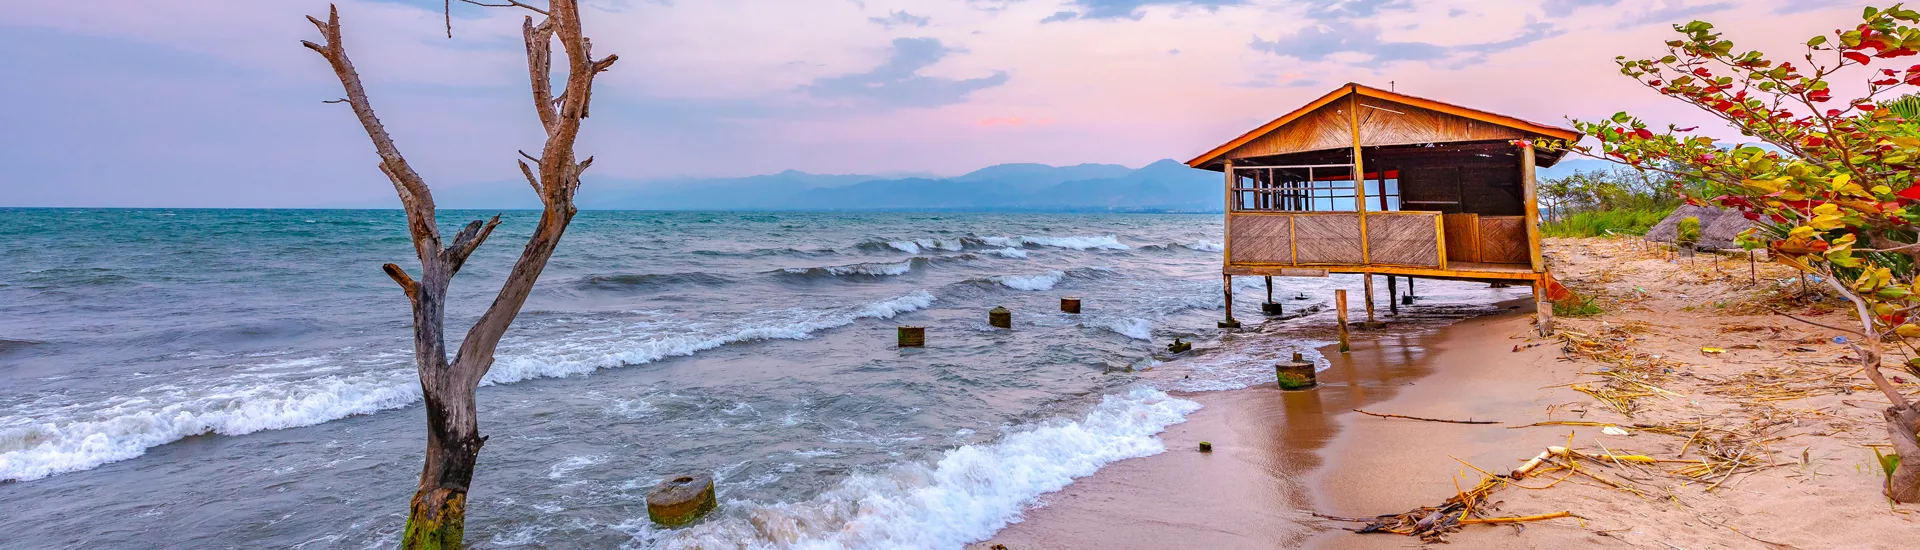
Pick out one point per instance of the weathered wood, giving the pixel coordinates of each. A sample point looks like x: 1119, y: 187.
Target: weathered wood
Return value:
x: 1226, y: 282
x: 1359, y: 176
x: 1368, y: 281
x: 1393, y: 295
x: 437, y: 515
x: 1530, y: 201
x: 1340, y: 311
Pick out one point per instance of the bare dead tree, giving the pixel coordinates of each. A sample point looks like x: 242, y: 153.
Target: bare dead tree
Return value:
x: 438, y: 513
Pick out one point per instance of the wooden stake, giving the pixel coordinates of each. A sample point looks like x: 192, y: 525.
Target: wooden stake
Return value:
x: 1393, y: 295
x: 1226, y: 282
x: 1340, y: 309
x: 1543, y: 309
x: 1369, y: 297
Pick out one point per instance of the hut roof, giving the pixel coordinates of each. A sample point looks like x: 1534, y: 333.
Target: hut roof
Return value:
x: 1719, y: 227
x: 1355, y: 89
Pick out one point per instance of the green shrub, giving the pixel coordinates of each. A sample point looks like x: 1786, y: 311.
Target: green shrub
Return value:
x: 1687, y: 233
x: 1599, y: 223
x: 1576, y: 307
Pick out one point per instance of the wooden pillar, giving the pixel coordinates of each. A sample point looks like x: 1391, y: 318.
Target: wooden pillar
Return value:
x: 1340, y: 311
x: 1227, y: 283
x: 1359, y: 173
x: 1269, y: 289
x: 1393, y: 295
x: 1543, y: 309
x: 1368, y: 294
x: 1530, y: 200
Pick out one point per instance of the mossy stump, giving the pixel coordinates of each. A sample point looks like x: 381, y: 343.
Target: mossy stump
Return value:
x: 1295, y: 375
x: 1206, y: 447
x: 681, y: 499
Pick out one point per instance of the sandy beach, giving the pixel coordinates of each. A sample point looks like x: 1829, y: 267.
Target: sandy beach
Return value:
x: 1783, y: 399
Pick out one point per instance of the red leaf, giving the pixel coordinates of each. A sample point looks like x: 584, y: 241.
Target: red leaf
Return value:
x: 1751, y: 216
x: 1896, y: 52
x: 1820, y: 95
x: 1888, y: 72
x: 1687, y: 129
x: 1912, y: 192
x: 1886, y: 82
x: 1642, y: 133
x: 1702, y: 73
x: 1857, y: 57
x: 1868, y: 107
x: 1816, y: 141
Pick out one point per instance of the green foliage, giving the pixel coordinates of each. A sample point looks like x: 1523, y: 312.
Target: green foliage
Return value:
x: 1575, y: 307
x: 1603, y: 190
x: 1688, y: 232
x: 1602, y: 223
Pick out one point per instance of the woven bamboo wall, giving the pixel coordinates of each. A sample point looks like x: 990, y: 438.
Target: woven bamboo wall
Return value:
x: 1329, y: 128
x: 1410, y: 239
x: 1327, y: 239
x: 1503, y: 240
x: 1260, y: 239
x: 1463, y: 237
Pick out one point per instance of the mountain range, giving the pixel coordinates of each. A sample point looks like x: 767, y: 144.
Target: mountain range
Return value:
x: 1163, y: 186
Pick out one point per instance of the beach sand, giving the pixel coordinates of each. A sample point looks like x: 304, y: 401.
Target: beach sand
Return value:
x: 1280, y: 457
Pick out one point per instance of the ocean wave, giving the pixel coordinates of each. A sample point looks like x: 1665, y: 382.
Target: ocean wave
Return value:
x: 1006, y: 252
x: 1131, y: 327
x: 626, y: 282
x: 914, y: 246
x: 71, y: 438
x: 1201, y: 246
x: 1041, y: 281
x: 1101, y: 242
x: 859, y: 270
x: 762, y: 252
x: 967, y: 495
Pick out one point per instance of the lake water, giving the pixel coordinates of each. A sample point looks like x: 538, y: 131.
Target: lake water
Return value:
x: 241, y: 378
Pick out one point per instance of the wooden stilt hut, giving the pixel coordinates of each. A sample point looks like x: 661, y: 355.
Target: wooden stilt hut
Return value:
x: 1370, y: 181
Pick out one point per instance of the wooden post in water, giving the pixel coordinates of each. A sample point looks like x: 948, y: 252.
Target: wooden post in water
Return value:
x: 1340, y: 309
x: 913, y: 337
x: 1393, y: 296
x: 1227, y: 282
x: 1000, y: 317
x: 1070, y: 304
x: 1368, y: 279
x: 1271, y: 308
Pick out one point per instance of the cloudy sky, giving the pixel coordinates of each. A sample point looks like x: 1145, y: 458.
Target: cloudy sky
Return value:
x: 214, y: 103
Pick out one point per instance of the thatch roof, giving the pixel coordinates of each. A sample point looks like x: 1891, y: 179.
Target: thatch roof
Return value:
x: 1718, y: 226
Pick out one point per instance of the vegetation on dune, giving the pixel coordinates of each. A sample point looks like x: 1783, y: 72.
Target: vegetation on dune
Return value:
x: 1602, y: 223
x: 1831, y: 179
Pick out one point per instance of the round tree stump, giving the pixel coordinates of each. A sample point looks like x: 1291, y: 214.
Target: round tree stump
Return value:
x: 1070, y: 305
x: 913, y: 337
x: 1295, y: 375
x: 681, y: 499
x: 1000, y: 317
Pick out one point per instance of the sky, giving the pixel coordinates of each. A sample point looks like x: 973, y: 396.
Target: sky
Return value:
x: 181, y: 103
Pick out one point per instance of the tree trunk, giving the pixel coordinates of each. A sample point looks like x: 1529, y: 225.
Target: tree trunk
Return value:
x: 438, y: 515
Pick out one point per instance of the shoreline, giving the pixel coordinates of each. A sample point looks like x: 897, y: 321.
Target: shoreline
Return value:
x: 1759, y: 430
x: 1263, y: 481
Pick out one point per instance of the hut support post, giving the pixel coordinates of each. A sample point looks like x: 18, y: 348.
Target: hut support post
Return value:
x: 1393, y: 295
x: 1340, y: 311
x: 1368, y: 294
x: 1530, y: 201
x: 1543, y: 309
x: 1226, y: 282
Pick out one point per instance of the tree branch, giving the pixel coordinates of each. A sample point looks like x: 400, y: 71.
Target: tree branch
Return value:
x: 508, y: 4
x: 467, y: 241
x: 414, y: 194
x: 540, y: 69
x: 406, y: 283
x: 532, y: 179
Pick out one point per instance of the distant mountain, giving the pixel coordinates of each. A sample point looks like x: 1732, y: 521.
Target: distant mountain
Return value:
x: 1166, y: 185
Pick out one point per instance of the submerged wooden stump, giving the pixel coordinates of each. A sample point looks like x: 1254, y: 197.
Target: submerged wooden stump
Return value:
x: 1000, y: 317
x: 913, y: 337
x: 680, y: 500
x: 1070, y: 305
x: 1271, y: 309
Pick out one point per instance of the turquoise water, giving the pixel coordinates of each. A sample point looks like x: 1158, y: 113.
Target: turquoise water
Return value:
x: 219, y: 378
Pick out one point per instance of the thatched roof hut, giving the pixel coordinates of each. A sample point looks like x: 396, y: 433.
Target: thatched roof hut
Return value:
x: 1719, y: 227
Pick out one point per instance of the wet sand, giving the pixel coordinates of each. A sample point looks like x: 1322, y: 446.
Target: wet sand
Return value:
x: 1280, y: 456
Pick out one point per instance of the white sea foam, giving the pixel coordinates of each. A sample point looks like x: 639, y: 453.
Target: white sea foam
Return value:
x: 1204, y: 246
x: 1102, y: 242
x: 917, y: 245
x: 1039, y: 281
x: 1009, y: 252
x: 967, y: 495
x: 871, y: 270
x: 1131, y: 327
x: 70, y: 438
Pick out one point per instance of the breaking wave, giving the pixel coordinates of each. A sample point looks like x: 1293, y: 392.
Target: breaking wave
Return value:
x: 967, y: 495
x: 67, y: 438
x: 1042, y: 281
x: 858, y: 270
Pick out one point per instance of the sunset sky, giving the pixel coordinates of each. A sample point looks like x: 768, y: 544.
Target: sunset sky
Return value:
x: 214, y: 103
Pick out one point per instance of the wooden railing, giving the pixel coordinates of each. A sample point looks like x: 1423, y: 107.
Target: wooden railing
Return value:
x: 1396, y: 238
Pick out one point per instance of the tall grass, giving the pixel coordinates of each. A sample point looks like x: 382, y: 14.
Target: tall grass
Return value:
x: 1632, y: 221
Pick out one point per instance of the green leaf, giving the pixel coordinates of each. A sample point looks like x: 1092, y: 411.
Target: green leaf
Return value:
x: 1817, y: 40
x: 1870, y: 12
